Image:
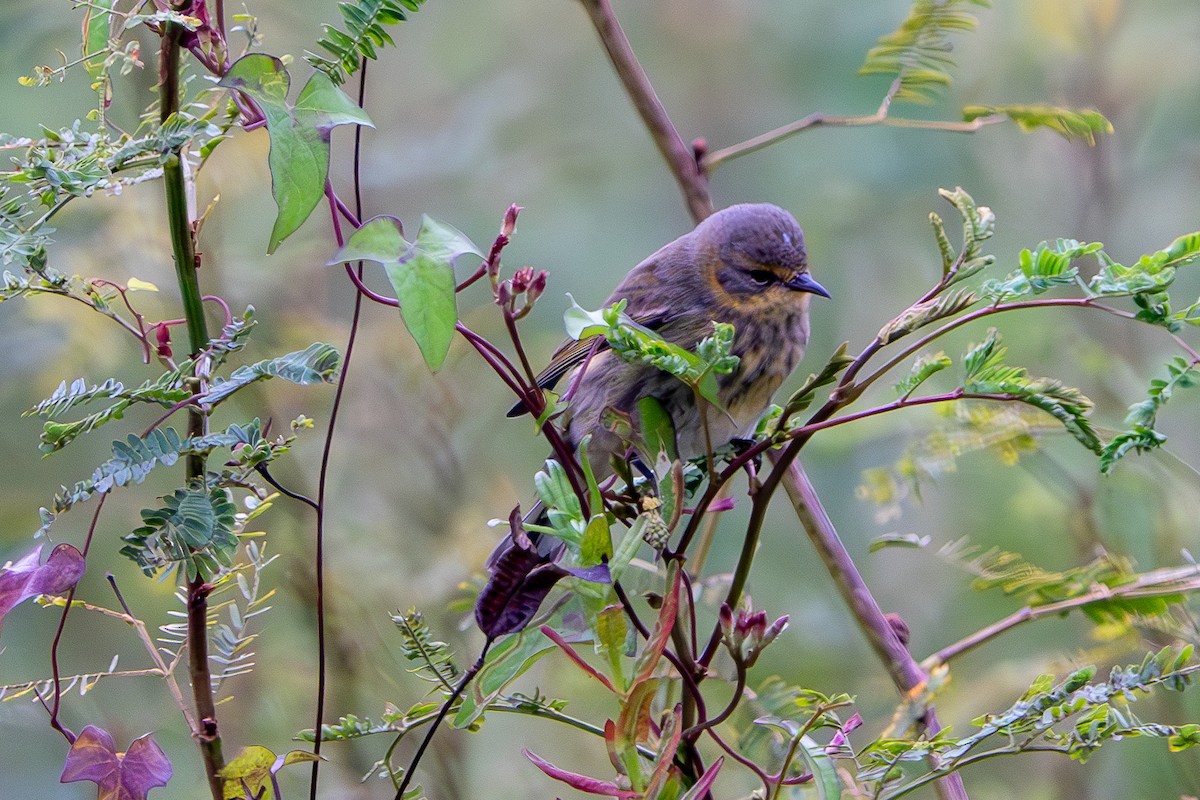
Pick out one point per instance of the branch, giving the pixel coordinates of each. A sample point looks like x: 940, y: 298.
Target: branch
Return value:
x: 681, y: 159
x: 905, y: 672
x: 711, y: 161
x: 1173, y: 580
x: 184, y: 250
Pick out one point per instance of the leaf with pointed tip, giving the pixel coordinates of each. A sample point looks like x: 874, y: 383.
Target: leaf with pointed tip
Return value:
x: 421, y: 273
x: 28, y: 577
x: 653, y: 651
x: 299, y: 157
x: 118, y: 776
x: 1070, y: 123
x: 576, y: 781
x: 255, y: 766
x: 318, y: 363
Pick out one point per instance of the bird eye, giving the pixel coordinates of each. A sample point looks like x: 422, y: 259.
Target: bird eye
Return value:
x: 762, y: 276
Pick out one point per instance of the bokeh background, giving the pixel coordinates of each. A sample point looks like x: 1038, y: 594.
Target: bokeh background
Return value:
x: 485, y: 104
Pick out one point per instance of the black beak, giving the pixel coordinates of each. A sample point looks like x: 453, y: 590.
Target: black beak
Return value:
x: 803, y: 282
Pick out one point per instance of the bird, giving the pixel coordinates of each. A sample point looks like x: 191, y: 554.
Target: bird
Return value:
x: 745, y: 265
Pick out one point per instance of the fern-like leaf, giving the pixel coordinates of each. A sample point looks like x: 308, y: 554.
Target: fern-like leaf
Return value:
x: 917, y: 53
x: 434, y: 659
x: 1085, y: 124
x: 986, y: 373
x: 135, y: 457
x: 194, y: 528
x: 165, y: 391
x: 317, y: 363
x: 365, y: 31
x: 1181, y: 374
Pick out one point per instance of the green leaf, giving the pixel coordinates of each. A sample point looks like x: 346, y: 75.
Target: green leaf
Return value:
x: 1181, y: 374
x: 909, y: 540
x: 986, y: 373
x: 922, y: 314
x: 318, y: 363
x: 658, y: 429
x: 506, y: 661
x: 925, y: 366
x: 639, y: 345
x: 97, y: 19
x: 1084, y: 124
x: 803, y: 397
x: 562, y: 506
x: 299, y: 157
x: 364, y: 20
x: 917, y: 52
x: 421, y: 273
x: 194, y: 528
x: 135, y: 457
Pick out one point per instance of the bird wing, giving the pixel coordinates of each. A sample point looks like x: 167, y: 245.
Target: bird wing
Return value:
x: 574, y: 352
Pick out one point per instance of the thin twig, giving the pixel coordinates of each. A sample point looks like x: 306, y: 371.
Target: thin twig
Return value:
x: 1170, y: 581
x: 711, y: 161
x: 327, y: 447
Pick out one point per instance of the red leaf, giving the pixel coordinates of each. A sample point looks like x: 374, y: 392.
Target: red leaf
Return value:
x: 576, y: 781
x: 553, y: 636
x: 662, y: 631
x: 27, y: 578
x: 118, y: 776
x: 701, y: 787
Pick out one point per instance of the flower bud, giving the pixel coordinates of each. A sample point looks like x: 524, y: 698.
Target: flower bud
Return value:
x: 162, y: 336
x: 536, y: 287
x: 504, y: 293
x: 746, y: 633
x: 510, y: 220
x: 522, y: 279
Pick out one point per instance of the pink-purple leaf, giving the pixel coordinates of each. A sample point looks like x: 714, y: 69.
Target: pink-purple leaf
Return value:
x: 576, y: 781
x: 28, y: 577
x: 118, y: 776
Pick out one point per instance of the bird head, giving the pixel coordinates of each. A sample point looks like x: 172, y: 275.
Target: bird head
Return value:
x: 753, y: 257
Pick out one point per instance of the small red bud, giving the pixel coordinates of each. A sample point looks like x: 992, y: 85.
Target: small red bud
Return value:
x: 536, y: 287
x: 162, y: 336
x: 504, y: 292
x: 522, y: 279
x: 510, y: 220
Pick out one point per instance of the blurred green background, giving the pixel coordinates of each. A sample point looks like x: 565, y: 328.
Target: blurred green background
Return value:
x: 485, y: 104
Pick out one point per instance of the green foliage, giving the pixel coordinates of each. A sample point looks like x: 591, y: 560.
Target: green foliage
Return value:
x: 803, y: 397
x: 74, y: 162
x: 365, y: 31
x: 165, y: 391
x: 135, y: 457
x: 986, y: 373
x: 1074, y: 717
x: 1148, y: 279
x: 434, y: 659
x: 1142, y: 437
x: 316, y: 364
x: 926, y: 313
x: 1044, y: 268
x: 638, y: 344
x: 299, y: 157
x: 1083, y: 124
x: 923, y: 368
x: 193, y: 528
x: 421, y: 273
x: 917, y: 53
x: 978, y: 225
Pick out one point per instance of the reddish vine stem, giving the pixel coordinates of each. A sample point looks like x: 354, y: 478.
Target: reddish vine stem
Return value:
x: 52, y: 709
x: 327, y: 448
